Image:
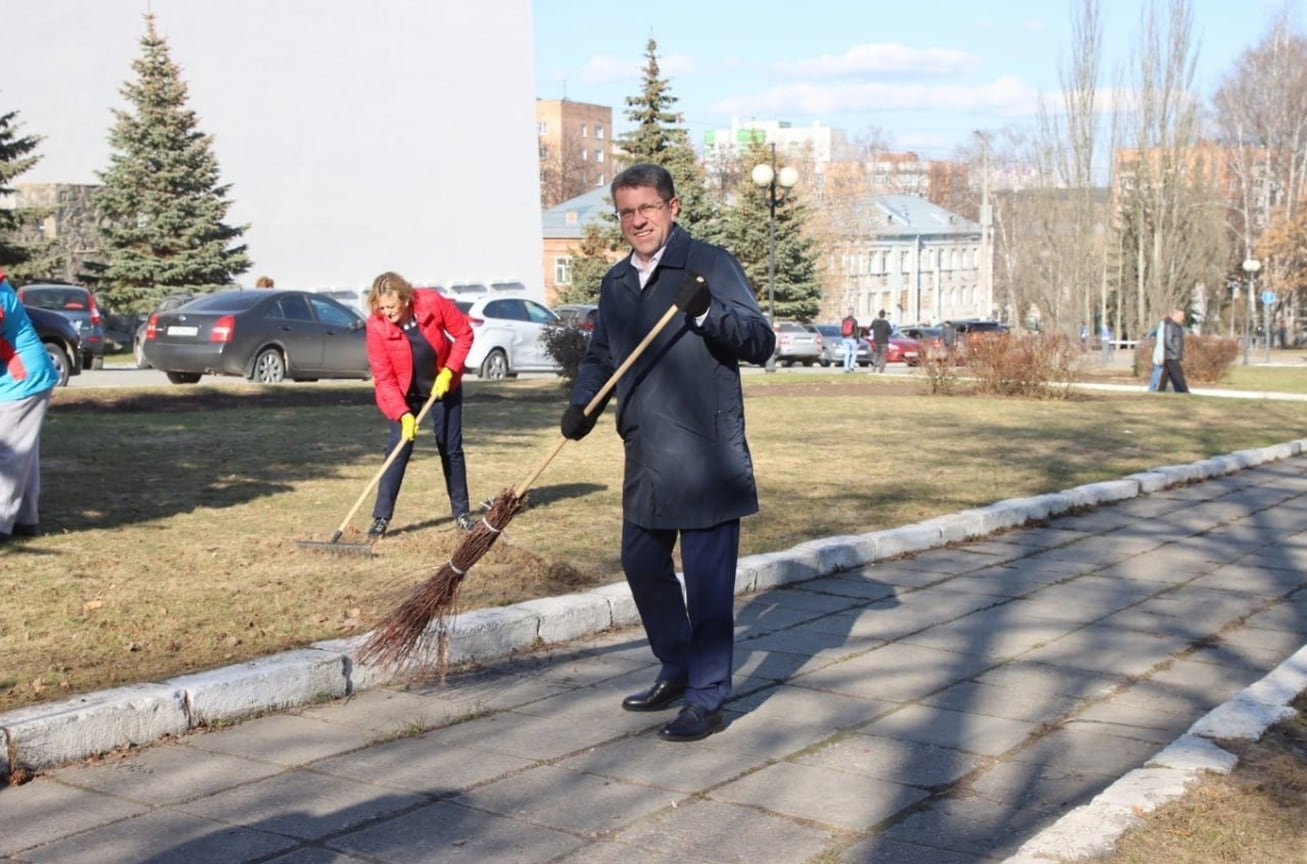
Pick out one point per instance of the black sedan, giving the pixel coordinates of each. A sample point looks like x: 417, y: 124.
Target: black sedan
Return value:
x: 265, y: 336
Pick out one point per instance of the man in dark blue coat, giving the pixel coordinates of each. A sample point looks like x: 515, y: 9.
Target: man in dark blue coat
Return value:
x: 680, y: 413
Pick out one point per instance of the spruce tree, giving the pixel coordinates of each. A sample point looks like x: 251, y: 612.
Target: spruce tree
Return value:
x: 745, y: 233
x: 599, y: 247
x: 19, y: 259
x: 660, y: 138
x: 162, y: 205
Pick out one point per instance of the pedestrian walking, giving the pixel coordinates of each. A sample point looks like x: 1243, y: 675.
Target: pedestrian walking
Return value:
x: 680, y: 414
x: 1171, y: 337
x: 27, y: 378
x: 880, y: 333
x: 849, y: 335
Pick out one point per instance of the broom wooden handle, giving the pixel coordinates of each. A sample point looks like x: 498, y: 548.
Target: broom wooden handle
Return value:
x: 520, y: 489
x: 390, y: 458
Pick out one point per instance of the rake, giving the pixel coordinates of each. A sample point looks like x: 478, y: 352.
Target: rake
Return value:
x: 407, y: 628
x: 334, y: 545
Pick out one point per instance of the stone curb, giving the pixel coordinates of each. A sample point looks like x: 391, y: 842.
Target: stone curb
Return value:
x: 52, y: 734
x: 1094, y: 828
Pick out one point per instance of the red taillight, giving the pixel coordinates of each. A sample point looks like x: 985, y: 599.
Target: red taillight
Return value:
x: 223, y: 329
x: 95, y: 310
x: 475, y: 322
x: 152, y: 327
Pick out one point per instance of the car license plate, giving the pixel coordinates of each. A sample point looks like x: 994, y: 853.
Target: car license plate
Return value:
x: 183, y: 330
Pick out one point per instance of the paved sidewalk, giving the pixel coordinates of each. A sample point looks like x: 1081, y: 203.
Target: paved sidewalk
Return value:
x: 935, y: 709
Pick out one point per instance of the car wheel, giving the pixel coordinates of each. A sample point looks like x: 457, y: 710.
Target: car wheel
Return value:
x: 138, y: 351
x: 183, y: 377
x: 807, y: 362
x: 62, y: 365
x: 495, y: 366
x: 269, y: 367
x: 787, y: 363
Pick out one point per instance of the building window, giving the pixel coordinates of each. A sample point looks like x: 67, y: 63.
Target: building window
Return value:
x: 583, y: 130
x: 563, y: 271
x: 599, y: 156
x: 599, y: 131
x: 585, y: 155
x: 544, y: 127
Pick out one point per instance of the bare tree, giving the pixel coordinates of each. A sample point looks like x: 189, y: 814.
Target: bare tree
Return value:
x: 565, y: 173
x: 1261, y: 115
x: 1169, y: 207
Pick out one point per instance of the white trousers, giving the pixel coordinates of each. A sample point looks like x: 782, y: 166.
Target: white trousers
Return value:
x: 20, y: 460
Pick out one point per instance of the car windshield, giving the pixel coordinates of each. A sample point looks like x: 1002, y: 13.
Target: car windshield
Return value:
x: 68, y: 299
x: 829, y: 329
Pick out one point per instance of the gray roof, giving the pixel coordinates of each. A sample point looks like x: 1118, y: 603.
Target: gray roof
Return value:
x: 911, y: 215
x: 568, y: 219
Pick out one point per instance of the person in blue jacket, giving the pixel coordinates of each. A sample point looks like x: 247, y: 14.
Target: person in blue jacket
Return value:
x: 680, y: 414
x: 27, y: 377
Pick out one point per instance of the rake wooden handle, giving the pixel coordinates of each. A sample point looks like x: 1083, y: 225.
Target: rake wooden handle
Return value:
x: 376, y: 478
x: 520, y: 489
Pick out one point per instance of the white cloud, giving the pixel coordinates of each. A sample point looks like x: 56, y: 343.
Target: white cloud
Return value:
x: 606, y: 69
x: 881, y: 59
x: 1006, y: 96
x: 1034, y: 25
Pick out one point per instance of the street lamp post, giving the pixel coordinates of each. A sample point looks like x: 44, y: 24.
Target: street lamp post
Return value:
x: 1250, y: 266
x: 764, y: 174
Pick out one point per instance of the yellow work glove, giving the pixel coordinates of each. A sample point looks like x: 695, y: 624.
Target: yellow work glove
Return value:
x: 444, y: 378
x: 408, y: 427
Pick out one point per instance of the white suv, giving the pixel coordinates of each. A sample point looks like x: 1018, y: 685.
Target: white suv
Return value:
x: 508, y: 336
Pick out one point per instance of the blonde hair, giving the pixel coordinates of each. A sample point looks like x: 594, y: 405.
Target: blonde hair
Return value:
x: 264, y: 282
x: 390, y: 283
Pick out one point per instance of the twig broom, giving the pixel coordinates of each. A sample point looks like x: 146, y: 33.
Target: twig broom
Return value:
x: 406, y: 629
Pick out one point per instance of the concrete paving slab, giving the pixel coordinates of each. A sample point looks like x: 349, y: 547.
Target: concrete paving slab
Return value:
x: 826, y: 796
x: 1087, y: 749
x: 777, y: 722
x: 1030, y: 704
x: 897, y: 760
x: 48, y: 810
x: 530, y: 738
x: 883, y: 851
x: 1101, y: 647
x: 423, y: 765
x: 1004, y: 580
x: 973, y: 733
x: 1042, y: 787
x: 727, y: 833
x: 973, y: 825
x: 1082, y: 684
x: 163, y: 835
x: 282, y: 739
x: 897, y: 672
x: 572, y: 801
x: 166, y: 774
x: 682, y: 769
x: 446, y: 831
x: 992, y: 634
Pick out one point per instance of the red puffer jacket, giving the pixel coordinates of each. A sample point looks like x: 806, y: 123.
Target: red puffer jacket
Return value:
x: 391, y: 357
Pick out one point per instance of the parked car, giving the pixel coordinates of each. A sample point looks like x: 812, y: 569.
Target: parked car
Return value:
x: 62, y: 341
x: 581, y: 315
x: 832, y: 346
x: 172, y: 301
x: 903, y: 349
x: 265, y: 336
x: 976, y: 325
x: 78, y: 305
x: 507, y: 333
x: 796, y: 344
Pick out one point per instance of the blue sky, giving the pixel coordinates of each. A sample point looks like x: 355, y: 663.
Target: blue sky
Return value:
x: 926, y: 72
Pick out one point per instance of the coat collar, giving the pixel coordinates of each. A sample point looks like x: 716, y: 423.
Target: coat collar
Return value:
x: 674, y: 255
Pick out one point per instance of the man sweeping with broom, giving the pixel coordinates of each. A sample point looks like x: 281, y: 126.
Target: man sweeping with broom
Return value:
x: 680, y: 414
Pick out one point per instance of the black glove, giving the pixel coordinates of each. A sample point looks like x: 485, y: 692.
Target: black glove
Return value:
x: 576, y: 425
x: 693, y: 295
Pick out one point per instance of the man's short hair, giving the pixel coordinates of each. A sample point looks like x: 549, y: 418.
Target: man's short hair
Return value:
x: 645, y: 174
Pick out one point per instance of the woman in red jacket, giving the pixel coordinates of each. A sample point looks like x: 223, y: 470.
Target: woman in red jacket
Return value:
x: 417, y: 342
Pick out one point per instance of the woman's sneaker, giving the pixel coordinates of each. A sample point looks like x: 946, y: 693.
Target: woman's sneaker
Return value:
x: 377, y: 529
x: 465, y: 521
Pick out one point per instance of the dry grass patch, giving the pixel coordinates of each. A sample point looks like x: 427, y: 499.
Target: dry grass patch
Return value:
x: 172, y: 513
x: 1257, y: 814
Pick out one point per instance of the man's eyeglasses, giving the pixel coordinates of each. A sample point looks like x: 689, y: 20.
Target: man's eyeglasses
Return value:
x: 645, y: 210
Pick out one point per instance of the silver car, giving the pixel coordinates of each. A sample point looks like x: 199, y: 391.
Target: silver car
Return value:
x: 832, y: 346
x: 795, y: 343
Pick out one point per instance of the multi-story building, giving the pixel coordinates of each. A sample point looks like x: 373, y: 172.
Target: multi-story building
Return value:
x: 816, y: 145
x: 914, y: 259
x: 576, y: 148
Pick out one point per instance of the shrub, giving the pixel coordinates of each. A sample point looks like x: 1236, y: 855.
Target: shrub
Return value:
x: 939, y: 368
x: 1207, y: 359
x: 567, y: 345
x: 1036, y: 365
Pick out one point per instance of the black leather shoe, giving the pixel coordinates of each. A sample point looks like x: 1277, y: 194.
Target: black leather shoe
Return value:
x: 656, y: 698
x: 377, y: 529
x: 22, y: 530
x: 693, y: 723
